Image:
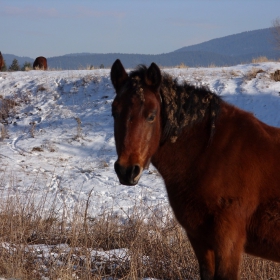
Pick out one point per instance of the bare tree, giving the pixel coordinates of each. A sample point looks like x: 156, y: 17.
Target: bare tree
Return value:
x: 276, y: 32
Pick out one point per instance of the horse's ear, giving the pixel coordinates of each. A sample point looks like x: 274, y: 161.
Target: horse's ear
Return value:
x: 153, y: 76
x: 118, y: 75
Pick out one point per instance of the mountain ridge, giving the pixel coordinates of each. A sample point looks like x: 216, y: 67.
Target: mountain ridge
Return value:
x: 224, y: 51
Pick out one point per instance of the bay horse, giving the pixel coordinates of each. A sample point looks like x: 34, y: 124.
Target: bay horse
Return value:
x: 40, y: 63
x: 2, y: 62
x: 220, y: 165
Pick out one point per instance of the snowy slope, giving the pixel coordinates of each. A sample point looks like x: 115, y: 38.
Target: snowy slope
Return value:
x: 60, y: 136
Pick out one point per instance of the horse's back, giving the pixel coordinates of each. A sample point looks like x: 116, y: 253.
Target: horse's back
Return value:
x: 41, y: 63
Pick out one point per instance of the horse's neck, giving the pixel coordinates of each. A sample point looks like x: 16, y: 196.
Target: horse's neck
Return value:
x: 182, y: 155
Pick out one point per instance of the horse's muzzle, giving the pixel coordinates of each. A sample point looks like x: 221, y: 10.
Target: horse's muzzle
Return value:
x: 129, y: 175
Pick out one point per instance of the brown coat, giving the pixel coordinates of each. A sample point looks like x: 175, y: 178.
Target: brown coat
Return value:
x: 2, y: 62
x: 220, y: 165
x: 40, y: 63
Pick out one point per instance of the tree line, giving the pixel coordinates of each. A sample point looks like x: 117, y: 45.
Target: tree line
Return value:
x: 16, y: 67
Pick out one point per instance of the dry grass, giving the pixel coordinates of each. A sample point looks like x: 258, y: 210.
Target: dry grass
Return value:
x: 88, y: 67
x: 212, y: 65
x: 252, y: 74
x: 3, y: 132
x: 27, y: 68
x: 152, y: 245
x: 7, y: 107
x: 181, y: 66
x: 275, y: 76
x: 234, y: 73
x: 260, y: 59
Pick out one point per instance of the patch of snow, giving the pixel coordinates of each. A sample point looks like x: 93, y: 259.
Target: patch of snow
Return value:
x: 61, y: 140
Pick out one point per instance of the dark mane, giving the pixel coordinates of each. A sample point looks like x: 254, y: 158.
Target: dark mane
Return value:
x: 140, y: 71
x: 182, y: 104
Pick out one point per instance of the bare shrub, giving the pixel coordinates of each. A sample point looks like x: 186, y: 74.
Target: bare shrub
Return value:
x: 252, y: 74
x: 41, y: 88
x: 275, y: 76
x: 7, y: 106
x: 234, y: 73
x: 79, y: 128
x: 32, y: 129
x: 37, y: 149
x: 26, y: 66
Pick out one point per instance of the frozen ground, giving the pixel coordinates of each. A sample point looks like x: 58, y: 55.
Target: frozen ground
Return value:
x: 60, y: 136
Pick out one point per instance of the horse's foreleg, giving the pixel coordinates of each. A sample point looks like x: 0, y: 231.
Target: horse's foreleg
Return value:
x: 205, y: 257
x: 228, y: 255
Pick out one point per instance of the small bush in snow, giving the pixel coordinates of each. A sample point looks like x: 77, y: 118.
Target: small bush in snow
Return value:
x: 275, y: 76
x: 252, y: 74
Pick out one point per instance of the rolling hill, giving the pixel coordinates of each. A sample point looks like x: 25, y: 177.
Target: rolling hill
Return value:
x: 224, y: 51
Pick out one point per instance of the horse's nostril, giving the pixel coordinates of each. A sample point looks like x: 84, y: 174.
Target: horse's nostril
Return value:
x: 119, y: 169
x: 128, y: 175
x: 135, y: 171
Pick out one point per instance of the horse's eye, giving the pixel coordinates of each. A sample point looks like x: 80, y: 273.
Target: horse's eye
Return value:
x: 151, y: 118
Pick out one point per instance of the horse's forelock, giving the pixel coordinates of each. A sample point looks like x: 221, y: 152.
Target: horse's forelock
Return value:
x: 136, y: 82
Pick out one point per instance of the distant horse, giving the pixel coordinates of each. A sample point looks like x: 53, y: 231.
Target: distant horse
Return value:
x: 40, y: 63
x: 220, y: 165
x: 2, y: 62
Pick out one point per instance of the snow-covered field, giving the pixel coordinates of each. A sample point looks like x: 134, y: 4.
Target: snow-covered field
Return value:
x: 60, y: 136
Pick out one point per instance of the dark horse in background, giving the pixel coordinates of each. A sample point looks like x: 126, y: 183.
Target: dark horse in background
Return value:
x: 220, y: 165
x: 40, y: 63
x: 2, y: 62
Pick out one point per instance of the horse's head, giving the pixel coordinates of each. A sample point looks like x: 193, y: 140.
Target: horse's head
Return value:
x: 137, y: 124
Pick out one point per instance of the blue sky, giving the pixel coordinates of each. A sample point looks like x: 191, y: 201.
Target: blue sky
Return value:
x: 57, y: 27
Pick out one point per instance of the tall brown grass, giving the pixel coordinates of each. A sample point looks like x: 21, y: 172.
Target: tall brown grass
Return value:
x: 152, y: 246
x: 260, y: 59
x: 36, y: 243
